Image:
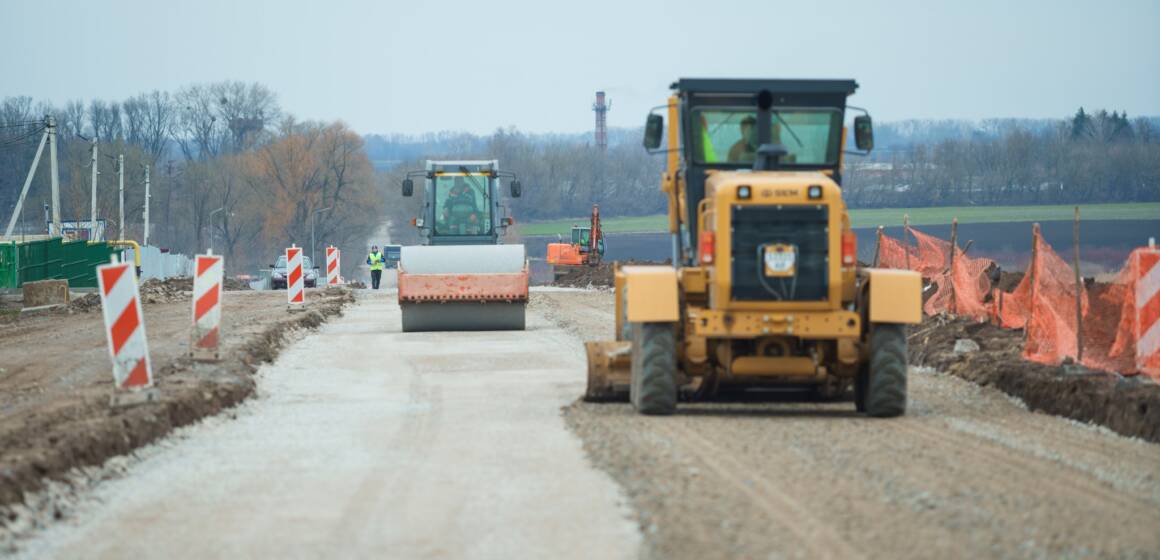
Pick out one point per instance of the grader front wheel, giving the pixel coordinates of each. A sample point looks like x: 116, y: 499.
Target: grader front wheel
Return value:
x: 653, y: 388
x: 885, y: 390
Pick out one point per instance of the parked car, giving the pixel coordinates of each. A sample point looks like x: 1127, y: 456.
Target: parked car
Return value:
x: 392, y: 254
x: 278, y: 273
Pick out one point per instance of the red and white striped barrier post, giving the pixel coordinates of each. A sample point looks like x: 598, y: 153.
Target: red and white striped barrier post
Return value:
x: 332, y: 263
x: 295, y: 282
x: 207, y: 307
x: 124, y: 326
x: 1148, y: 311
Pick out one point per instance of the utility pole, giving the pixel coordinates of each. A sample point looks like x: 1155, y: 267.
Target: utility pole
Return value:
x: 121, y: 191
x: 145, y: 236
x: 312, y: 215
x: 211, y: 231
x: 50, y: 129
x: 93, y: 189
x: 27, y: 183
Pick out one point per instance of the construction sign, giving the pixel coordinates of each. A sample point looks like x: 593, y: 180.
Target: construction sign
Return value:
x: 1147, y: 298
x: 295, y: 282
x: 207, y: 310
x: 332, y: 264
x: 121, y: 307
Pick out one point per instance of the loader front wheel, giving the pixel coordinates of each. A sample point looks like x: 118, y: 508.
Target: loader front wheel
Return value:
x: 653, y: 387
x: 886, y: 389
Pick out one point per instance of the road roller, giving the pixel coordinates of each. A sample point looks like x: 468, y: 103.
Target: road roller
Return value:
x: 463, y: 277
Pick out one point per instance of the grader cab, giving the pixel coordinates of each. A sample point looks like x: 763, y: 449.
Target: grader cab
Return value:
x: 765, y: 288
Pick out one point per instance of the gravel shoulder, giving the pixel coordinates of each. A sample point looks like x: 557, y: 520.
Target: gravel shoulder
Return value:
x: 968, y: 472
x: 56, y: 381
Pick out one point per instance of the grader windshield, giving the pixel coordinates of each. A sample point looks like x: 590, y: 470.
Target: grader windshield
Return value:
x: 810, y: 136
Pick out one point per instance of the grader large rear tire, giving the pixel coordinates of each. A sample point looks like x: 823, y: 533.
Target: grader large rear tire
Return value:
x: 886, y: 388
x: 653, y: 387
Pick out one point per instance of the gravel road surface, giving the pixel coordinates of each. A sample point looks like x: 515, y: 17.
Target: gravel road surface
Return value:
x: 968, y: 473
x: 367, y: 442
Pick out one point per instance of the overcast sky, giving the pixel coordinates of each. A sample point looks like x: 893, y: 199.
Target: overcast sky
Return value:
x: 385, y: 66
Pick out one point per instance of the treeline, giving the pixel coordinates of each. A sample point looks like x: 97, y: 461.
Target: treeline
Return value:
x: 1090, y: 158
x: 562, y: 176
x: 229, y: 170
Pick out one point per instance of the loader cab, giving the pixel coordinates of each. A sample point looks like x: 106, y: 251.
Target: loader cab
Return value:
x: 461, y: 203
x: 751, y: 125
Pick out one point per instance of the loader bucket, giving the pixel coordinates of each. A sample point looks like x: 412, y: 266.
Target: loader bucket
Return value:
x: 609, y: 370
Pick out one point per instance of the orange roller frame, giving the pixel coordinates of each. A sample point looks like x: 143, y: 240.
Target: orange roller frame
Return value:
x: 510, y: 287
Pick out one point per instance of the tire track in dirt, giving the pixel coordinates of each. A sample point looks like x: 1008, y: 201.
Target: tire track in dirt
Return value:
x: 414, y: 433
x: 779, y: 507
x: 1031, y: 470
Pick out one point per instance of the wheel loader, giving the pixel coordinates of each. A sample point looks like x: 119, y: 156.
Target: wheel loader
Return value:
x: 462, y: 278
x: 765, y: 290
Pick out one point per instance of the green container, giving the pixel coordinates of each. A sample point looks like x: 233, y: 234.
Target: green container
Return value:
x: 75, y: 261
x: 8, y: 266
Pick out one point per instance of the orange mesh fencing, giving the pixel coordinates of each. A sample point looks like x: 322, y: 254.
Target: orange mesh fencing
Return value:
x: 961, y: 289
x: 1044, y: 302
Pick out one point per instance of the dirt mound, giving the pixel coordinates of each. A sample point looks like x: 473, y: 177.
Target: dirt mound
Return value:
x: 166, y: 291
x: 233, y: 285
x: 85, y: 304
x: 599, y: 275
x: 1128, y: 405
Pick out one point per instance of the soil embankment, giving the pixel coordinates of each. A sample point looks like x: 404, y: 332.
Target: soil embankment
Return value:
x: 56, y: 380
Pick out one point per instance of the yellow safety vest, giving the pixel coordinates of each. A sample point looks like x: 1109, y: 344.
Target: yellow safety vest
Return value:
x: 377, y: 261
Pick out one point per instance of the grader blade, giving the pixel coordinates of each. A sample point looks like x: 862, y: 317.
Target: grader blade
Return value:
x: 609, y: 367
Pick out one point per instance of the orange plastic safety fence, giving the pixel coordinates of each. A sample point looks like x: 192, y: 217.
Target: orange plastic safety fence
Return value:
x: 961, y: 289
x: 1044, y: 302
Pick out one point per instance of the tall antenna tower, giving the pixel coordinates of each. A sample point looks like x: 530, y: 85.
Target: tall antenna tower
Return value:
x: 601, y: 108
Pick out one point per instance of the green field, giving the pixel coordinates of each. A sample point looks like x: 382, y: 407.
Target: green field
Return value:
x: 893, y: 217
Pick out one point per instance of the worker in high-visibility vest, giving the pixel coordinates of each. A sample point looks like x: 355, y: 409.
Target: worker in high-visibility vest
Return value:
x: 376, y: 260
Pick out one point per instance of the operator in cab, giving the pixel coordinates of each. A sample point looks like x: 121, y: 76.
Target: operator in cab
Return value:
x: 376, y: 260
x: 745, y: 149
x: 460, y: 210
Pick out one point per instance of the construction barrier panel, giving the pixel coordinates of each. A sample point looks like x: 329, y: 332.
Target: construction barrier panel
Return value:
x: 295, y: 292
x: 121, y: 307
x: 332, y: 266
x: 207, y: 310
x: 1145, y: 266
x: 1113, y: 315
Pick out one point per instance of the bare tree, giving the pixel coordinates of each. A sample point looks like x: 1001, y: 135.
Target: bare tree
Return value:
x: 72, y: 121
x: 198, y: 129
x: 149, y: 121
x: 245, y: 110
x: 105, y: 119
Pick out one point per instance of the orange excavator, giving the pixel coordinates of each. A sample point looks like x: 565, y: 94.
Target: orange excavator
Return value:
x: 586, y: 248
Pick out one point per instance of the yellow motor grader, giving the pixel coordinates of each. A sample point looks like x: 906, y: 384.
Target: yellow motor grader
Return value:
x: 765, y: 289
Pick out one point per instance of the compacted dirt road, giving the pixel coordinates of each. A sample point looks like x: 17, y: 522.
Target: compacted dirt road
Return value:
x: 364, y: 442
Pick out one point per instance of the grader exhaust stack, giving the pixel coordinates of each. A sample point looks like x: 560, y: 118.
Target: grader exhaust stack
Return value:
x: 462, y: 278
